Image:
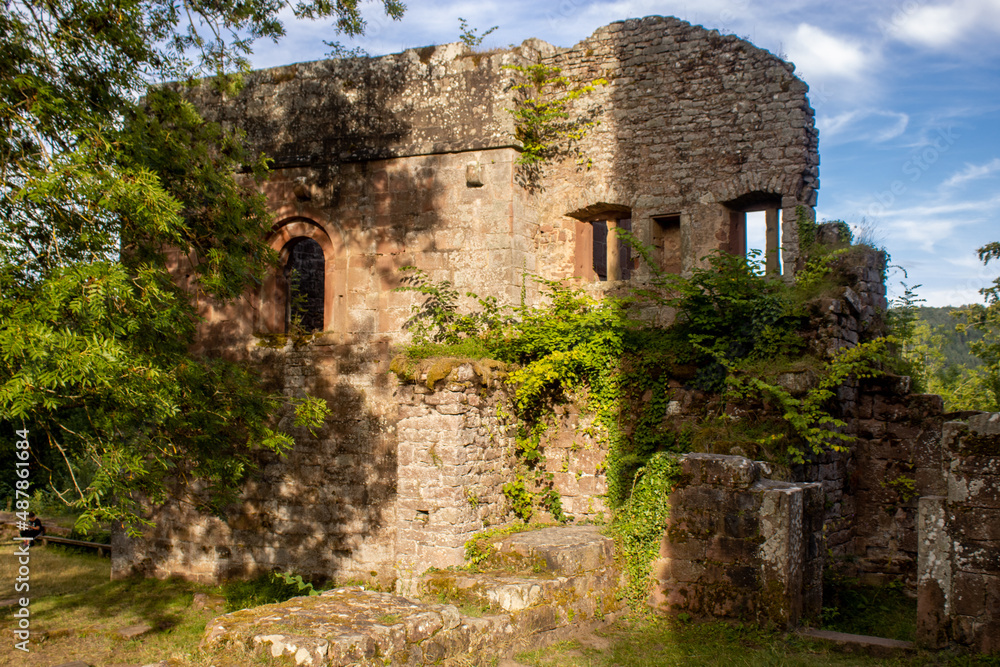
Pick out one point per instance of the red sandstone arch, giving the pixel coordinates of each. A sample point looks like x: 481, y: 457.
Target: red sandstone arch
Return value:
x: 274, y: 291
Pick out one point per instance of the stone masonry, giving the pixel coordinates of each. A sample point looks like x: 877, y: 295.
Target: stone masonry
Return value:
x: 452, y: 463
x: 959, y: 532
x: 411, y: 160
x: 739, y: 545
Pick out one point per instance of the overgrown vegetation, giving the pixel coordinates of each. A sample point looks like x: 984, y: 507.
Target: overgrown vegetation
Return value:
x: 103, y: 169
x: 265, y: 589
x: 878, y: 611
x: 736, y: 332
x: 955, y: 352
x: 542, y: 121
x: 470, y: 36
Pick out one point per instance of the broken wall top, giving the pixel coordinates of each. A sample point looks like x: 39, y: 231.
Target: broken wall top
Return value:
x: 440, y: 99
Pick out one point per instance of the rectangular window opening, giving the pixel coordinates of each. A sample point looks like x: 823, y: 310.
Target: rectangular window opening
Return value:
x: 666, y: 240
x: 763, y: 234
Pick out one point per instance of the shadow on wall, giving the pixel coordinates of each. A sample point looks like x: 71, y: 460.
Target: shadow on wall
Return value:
x: 324, y: 510
x: 324, y: 113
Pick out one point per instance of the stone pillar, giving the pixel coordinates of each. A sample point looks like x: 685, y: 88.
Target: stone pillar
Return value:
x: 614, y: 261
x: 934, y: 573
x: 783, y: 551
x: 772, y: 254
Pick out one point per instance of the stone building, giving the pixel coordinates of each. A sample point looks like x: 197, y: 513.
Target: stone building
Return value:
x: 410, y: 160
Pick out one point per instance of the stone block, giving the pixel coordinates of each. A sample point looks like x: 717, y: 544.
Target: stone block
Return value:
x: 968, y: 594
x: 731, y: 550
x: 976, y: 490
x: 975, y: 523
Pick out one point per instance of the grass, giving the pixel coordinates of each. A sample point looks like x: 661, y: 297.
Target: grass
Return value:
x: 76, y: 612
x: 669, y: 642
x: 879, y: 611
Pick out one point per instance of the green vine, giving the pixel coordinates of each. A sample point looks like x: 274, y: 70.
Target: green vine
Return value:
x: 542, y: 122
x: 640, y: 523
x: 734, y: 331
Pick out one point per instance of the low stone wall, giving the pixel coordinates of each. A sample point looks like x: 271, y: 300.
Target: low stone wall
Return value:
x: 959, y: 555
x: 451, y: 462
x: 739, y: 545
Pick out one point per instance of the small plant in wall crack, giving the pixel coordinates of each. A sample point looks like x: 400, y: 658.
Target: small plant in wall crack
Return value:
x: 542, y: 119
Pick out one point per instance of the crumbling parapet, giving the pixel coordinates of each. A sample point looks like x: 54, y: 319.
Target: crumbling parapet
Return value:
x: 959, y: 534
x: 740, y: 545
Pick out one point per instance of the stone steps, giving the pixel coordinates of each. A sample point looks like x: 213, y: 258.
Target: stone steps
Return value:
x: 348, y: 626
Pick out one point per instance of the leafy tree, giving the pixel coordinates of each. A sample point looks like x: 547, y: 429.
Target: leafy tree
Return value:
x: 985, y: 319
x: 102, y: 170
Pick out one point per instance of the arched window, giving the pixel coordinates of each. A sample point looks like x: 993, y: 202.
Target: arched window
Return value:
x: 305, y: 276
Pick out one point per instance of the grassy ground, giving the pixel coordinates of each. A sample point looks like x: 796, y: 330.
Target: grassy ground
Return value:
x: 76, y: 612
x: 880, y: 611
x: 665, y: 642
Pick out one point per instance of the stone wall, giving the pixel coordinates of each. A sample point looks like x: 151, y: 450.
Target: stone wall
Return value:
x: 574, y: 456
x: 959, y: 551
x: 326, y: 510
x: 452, y: 462
x: 410, y: 160
x: 739, y: 545
x: 406, y: 158
x: 691, y: 123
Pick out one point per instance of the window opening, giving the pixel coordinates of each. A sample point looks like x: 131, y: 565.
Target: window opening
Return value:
x: 600, y: 249
x: 305, y: 276
x: 666, y: 241
x: 754, y: 224
x: 764, y: 234
x: 612, y: 258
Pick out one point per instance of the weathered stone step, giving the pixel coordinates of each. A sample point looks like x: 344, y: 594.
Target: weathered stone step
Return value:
x: 565, y: 549
x: 874, y: 645
x: 515, y: 593
x: 352, y: 626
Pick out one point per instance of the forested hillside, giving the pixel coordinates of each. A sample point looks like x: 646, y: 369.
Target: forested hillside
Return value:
x: 954, y: 344
x: 939, y: 345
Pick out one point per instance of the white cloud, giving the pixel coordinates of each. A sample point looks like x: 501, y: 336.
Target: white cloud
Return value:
x: 873, y: 125
x: 972, y: 172
x: 943, y: 25
x: 818, y: 54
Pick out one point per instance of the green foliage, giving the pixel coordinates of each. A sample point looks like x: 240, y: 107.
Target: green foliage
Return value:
x: 902, y: 321
x: 733, y: 327
x: 880, y: 611
x: 938, y: 351
x: 542, y: 121
x: 641, y: 521
x: 906, y: 487
x: 727, y: 312
x: 806, y: 227
x: 521, y: 500
x: 985, y: 320
x: 265, y: 589
x: 482, y: 546
x: 808, y: 416
x: 437, y: 321
x: 469, y: 35
x: 103, y: 170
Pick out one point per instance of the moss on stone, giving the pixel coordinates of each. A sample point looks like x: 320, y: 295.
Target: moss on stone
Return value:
x: 976, y: 444
x: 436, y: 369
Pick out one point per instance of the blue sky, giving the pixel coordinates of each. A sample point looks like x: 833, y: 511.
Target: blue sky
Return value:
x: 907, y: 99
